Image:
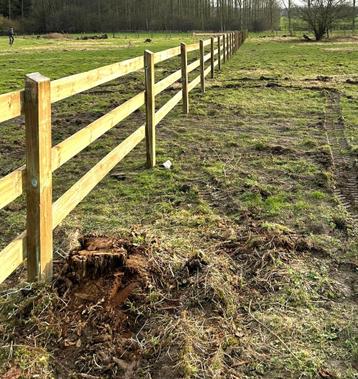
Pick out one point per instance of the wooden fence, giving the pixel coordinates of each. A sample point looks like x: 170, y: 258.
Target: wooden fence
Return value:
x: 35, y: 245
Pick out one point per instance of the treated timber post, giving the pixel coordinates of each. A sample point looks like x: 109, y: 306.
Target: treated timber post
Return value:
x: 224, y: 48
x: 212, y: 61
x: 150, y: 108
x: 185, y: 77
x: 202, y: 66
x: 230, y: 44
x: 219, y: 53
x: 39, y: 240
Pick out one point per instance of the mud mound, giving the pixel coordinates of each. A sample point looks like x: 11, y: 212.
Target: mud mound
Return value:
x: 96, y: 281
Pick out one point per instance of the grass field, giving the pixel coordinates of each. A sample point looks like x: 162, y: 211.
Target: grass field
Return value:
x: 252, y: 255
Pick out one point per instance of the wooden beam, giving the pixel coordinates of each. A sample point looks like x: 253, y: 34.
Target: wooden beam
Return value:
x: 194, y: 65
x: 67, y: 202
x: 72, y: 85
x: 74, y: 144
x: 194, y: 83
x: 166, y: 108
x: 219, y: 52
x: 192, y: 47
x: 166, y: 82
x: 150, y: 107
x: 12, y: 186
x: 166, y: 54
x: 12, y: 256
x: 207, y: 57
x: 212, y: 59
x: 39, y: 176
x: 184, y: 77
x: 202, y: 66
x: 11, y: 105
x: 224, y: 48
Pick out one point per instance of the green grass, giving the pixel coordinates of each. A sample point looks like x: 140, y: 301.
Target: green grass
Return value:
x: 251, y: 169
x: 59, y: 58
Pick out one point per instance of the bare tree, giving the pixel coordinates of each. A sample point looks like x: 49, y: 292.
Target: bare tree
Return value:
x: 288, y: 5
x: 321, y: 14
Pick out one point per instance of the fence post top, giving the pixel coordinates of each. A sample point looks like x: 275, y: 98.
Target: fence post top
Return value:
x: 182, y: 44
x: 37, y: 77
x: 148, y: 52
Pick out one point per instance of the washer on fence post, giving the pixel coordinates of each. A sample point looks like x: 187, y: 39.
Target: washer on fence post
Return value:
x: 39, y: 240
x: 202, y: 67
x: 150, y: 108
x: 185, y: 77
x: 212, y: 61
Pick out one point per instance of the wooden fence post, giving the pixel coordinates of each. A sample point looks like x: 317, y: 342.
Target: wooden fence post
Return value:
x: 39, y: 240
x: 212, y: 61
x: 202, y: 66
x: 219, y: 53
x: 224, y: 48
x: 150, y: 108
x: 185, y: 77
x: 227, y: 47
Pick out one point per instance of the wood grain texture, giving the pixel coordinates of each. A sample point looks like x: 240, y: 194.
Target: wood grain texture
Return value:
x: 202, y: 67
x: 166, y: 54
x: 73, y: 145
x: 11, y: 105
x: 39, y: 177
x: 12, y: 186
x: 67, y: 202
x: 149, y: 61
x: 166, y: 108
x: 212, y: 58
x: 194, y: 65
x: 167, y: 82
x: 194, y: 83
x: 185, y: 78
x: 12, y: 256
x: 72, y: 85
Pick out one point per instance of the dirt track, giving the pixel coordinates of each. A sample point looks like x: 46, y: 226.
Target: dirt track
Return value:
x: 345, y: 168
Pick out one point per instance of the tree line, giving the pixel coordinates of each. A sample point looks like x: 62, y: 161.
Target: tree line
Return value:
x: 42, y: 16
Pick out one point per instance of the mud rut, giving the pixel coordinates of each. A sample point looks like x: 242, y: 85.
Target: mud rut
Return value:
x: 345, y: 169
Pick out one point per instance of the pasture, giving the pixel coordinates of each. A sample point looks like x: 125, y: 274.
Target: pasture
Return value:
x: 250, y: 239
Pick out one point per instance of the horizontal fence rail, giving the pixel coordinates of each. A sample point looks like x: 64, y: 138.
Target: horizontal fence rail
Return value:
x: 42, y: 159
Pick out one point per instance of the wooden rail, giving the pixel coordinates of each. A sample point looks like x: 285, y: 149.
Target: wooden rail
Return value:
x: 42, y: 159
